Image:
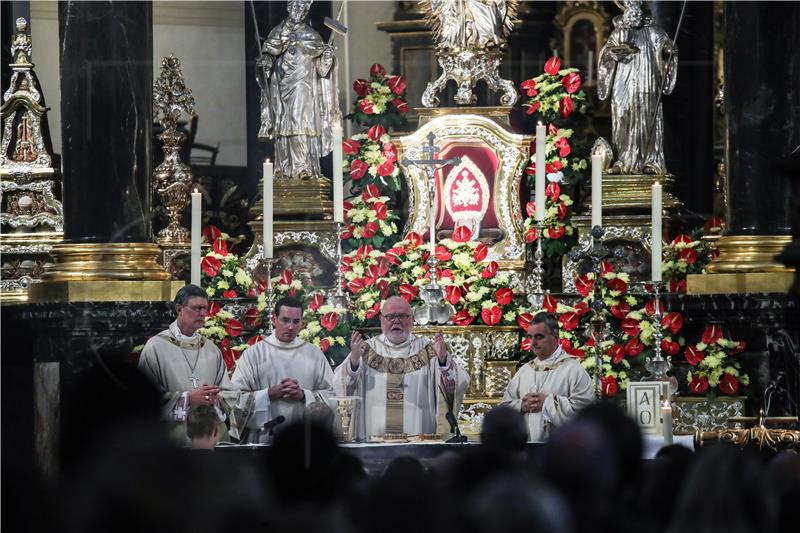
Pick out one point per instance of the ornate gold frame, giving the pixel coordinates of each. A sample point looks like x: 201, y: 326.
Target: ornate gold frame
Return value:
x: 512, y: 152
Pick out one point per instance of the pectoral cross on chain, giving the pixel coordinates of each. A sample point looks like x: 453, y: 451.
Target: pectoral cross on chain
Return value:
x: 194, y: 381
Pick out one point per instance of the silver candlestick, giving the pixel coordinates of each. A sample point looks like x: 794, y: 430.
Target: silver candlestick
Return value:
x: 657, y: 366
x: 337, y: 298
x: 433, y: 310
x: 535, y: 283
x: 270, y: 294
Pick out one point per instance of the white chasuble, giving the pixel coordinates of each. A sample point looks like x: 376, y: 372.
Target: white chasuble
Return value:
x: 567, y: 385
x: 402, y: 388
x: 177, y: 364
x: 269, y: 362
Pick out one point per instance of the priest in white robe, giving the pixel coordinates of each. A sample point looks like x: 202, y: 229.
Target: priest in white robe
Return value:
x: 552, y: 387
x: 405, y: 384
x: 189, y: 369
x: 283, y: 372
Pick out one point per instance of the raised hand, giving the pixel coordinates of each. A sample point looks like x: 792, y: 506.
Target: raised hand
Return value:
x: 357, y: 347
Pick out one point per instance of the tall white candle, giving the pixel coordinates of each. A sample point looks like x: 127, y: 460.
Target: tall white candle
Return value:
x: 656, y: 232
x: 338, y: 181
x: 590, y: 67
x: 666, y: 422
x: 197, y: 216
x: 268, y: 209
x: 597, y: 191
x: 541, y: 139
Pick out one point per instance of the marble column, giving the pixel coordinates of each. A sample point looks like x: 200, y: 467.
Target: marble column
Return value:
x: 106, y: 111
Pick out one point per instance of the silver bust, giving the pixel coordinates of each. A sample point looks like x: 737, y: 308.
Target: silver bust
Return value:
x: 637, y: 62
x: 299, y: 100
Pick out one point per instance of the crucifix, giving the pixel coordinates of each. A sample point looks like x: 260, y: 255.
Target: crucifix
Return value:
x: 432, y: 311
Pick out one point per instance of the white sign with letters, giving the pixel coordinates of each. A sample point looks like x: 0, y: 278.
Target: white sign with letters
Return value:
x: 644, y: 402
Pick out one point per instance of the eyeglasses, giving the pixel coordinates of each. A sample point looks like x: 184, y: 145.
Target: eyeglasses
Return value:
x: 397, y: 317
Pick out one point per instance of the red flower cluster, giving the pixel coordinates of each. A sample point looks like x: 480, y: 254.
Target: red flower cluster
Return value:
x: 396, y: 84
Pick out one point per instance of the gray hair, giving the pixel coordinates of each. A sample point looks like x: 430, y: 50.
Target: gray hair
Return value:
x: 187, y: 292
x: 549, y: 321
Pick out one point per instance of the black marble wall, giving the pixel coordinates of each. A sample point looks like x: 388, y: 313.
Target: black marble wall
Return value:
x: 106, y: 112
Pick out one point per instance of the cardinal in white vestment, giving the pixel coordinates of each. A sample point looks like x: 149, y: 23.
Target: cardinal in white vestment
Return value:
x: 189, y: 369
x: 284, y: 373
x: 406, y: 384
x: 553, y: 386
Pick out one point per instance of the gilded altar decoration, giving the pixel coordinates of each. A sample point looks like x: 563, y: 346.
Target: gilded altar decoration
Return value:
x: 172, y: 179
x: 481, y: 194
x: 31, y: 216
x: 470, y: 37
x: 638, y: 64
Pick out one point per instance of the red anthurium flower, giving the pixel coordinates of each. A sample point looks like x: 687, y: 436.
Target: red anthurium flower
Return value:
x: 221, y: 247
x: 569, y: 321
x: 490, y: 270
x: 210, y: 265
x: 329, y: 321
x: 688, y: 255
x: 681, y: 239
x: 211, y: 233
x: 698, y: 385
x: 672, y: 321
x: 529, y: 86
x: 363, y: 251
x: 571, y: 82
x: 385, y: 169
x: 442, y: 253
x: 530, y: 209
x: 577, y: 352
x: 566, y: 345
x: 739, y: 348
x: 355, y: 285
x: 397, y: 84
x: 480, y: 252
x: 617, y: 284
x: 491, y: 315
x: 373, y: 272
x: 347, y: 206
x: 693, y: 355
x: 373, y: 311
x: 533, y: 108
x: 233, y: 327
x: 254, y: 339
x: 369, y: 231
x: 414, y: 238
x: 390, y: 152
x: 728, y: 384
x: 316, y: 301
x: 357, y: 169
x: 606, y: 267
x: 714, y: 224
x: 452, y: 294
x: 555, y: 166
x: 503, y: 296
x: 670, y: 347
x: 229, y: 293
x: 552, y: 129
x: 408, y: 291
x: 400, y: 105
x: 361, y: 87
x: 366, y: 107
x: 377, y: 71
x: 609, y: 386
x: 394, y: 255
x: 524, y: 320
x: 553, y: 191
x: 383, y: 287
x: 677, y: 285
x: 631, y: 327
x: 370, y: 191
x: 650, y: 307
x: 526, y: 344
x: 552, y: 66
x: 347, y: 232
x: 620, y: 310
x: 463, y: 318
x: 556, y: 232
x: 584, y: 285
x: 563, y: 145
x: 462, y: 234
x: 347, y: 263
x: 712, y: 334
x: 633, y: 347
x: 617, y: 353
x: 286, y: 277
x: 227, y: 357
x: 251, y: 317
x: 581, y: 308
x: 530, y: 235
x: 351, y: 146
x: 376, y: 132
x: 213, y: 309
x: 564, y: 106
x: 324, y: 344
x: 380, y: 210
x: 549, y: 303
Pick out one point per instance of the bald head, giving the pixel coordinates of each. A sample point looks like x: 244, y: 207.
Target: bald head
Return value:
x: 396, y: 319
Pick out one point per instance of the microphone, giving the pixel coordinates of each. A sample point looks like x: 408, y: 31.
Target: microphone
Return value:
x: 278, y: 420
x: 458, y: 438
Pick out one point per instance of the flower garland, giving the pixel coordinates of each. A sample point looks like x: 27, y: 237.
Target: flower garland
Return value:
x: 687, y: 254
x: 714, y: 365
x: 555, y: 93
x: 366, y: 273
x: 222, y: 274
x: 369, y: 219
x: 381, y: 100
x: 325, y: 329
x: 558, y: 227
x: 372, y: 158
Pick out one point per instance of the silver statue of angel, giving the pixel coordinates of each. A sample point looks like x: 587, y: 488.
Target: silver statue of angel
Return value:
x: 299, y: 99
x: 637, y: 62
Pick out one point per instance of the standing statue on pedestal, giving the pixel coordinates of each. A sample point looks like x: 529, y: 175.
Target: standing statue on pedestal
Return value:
x: 637, y: 63
x: 299, y: 100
